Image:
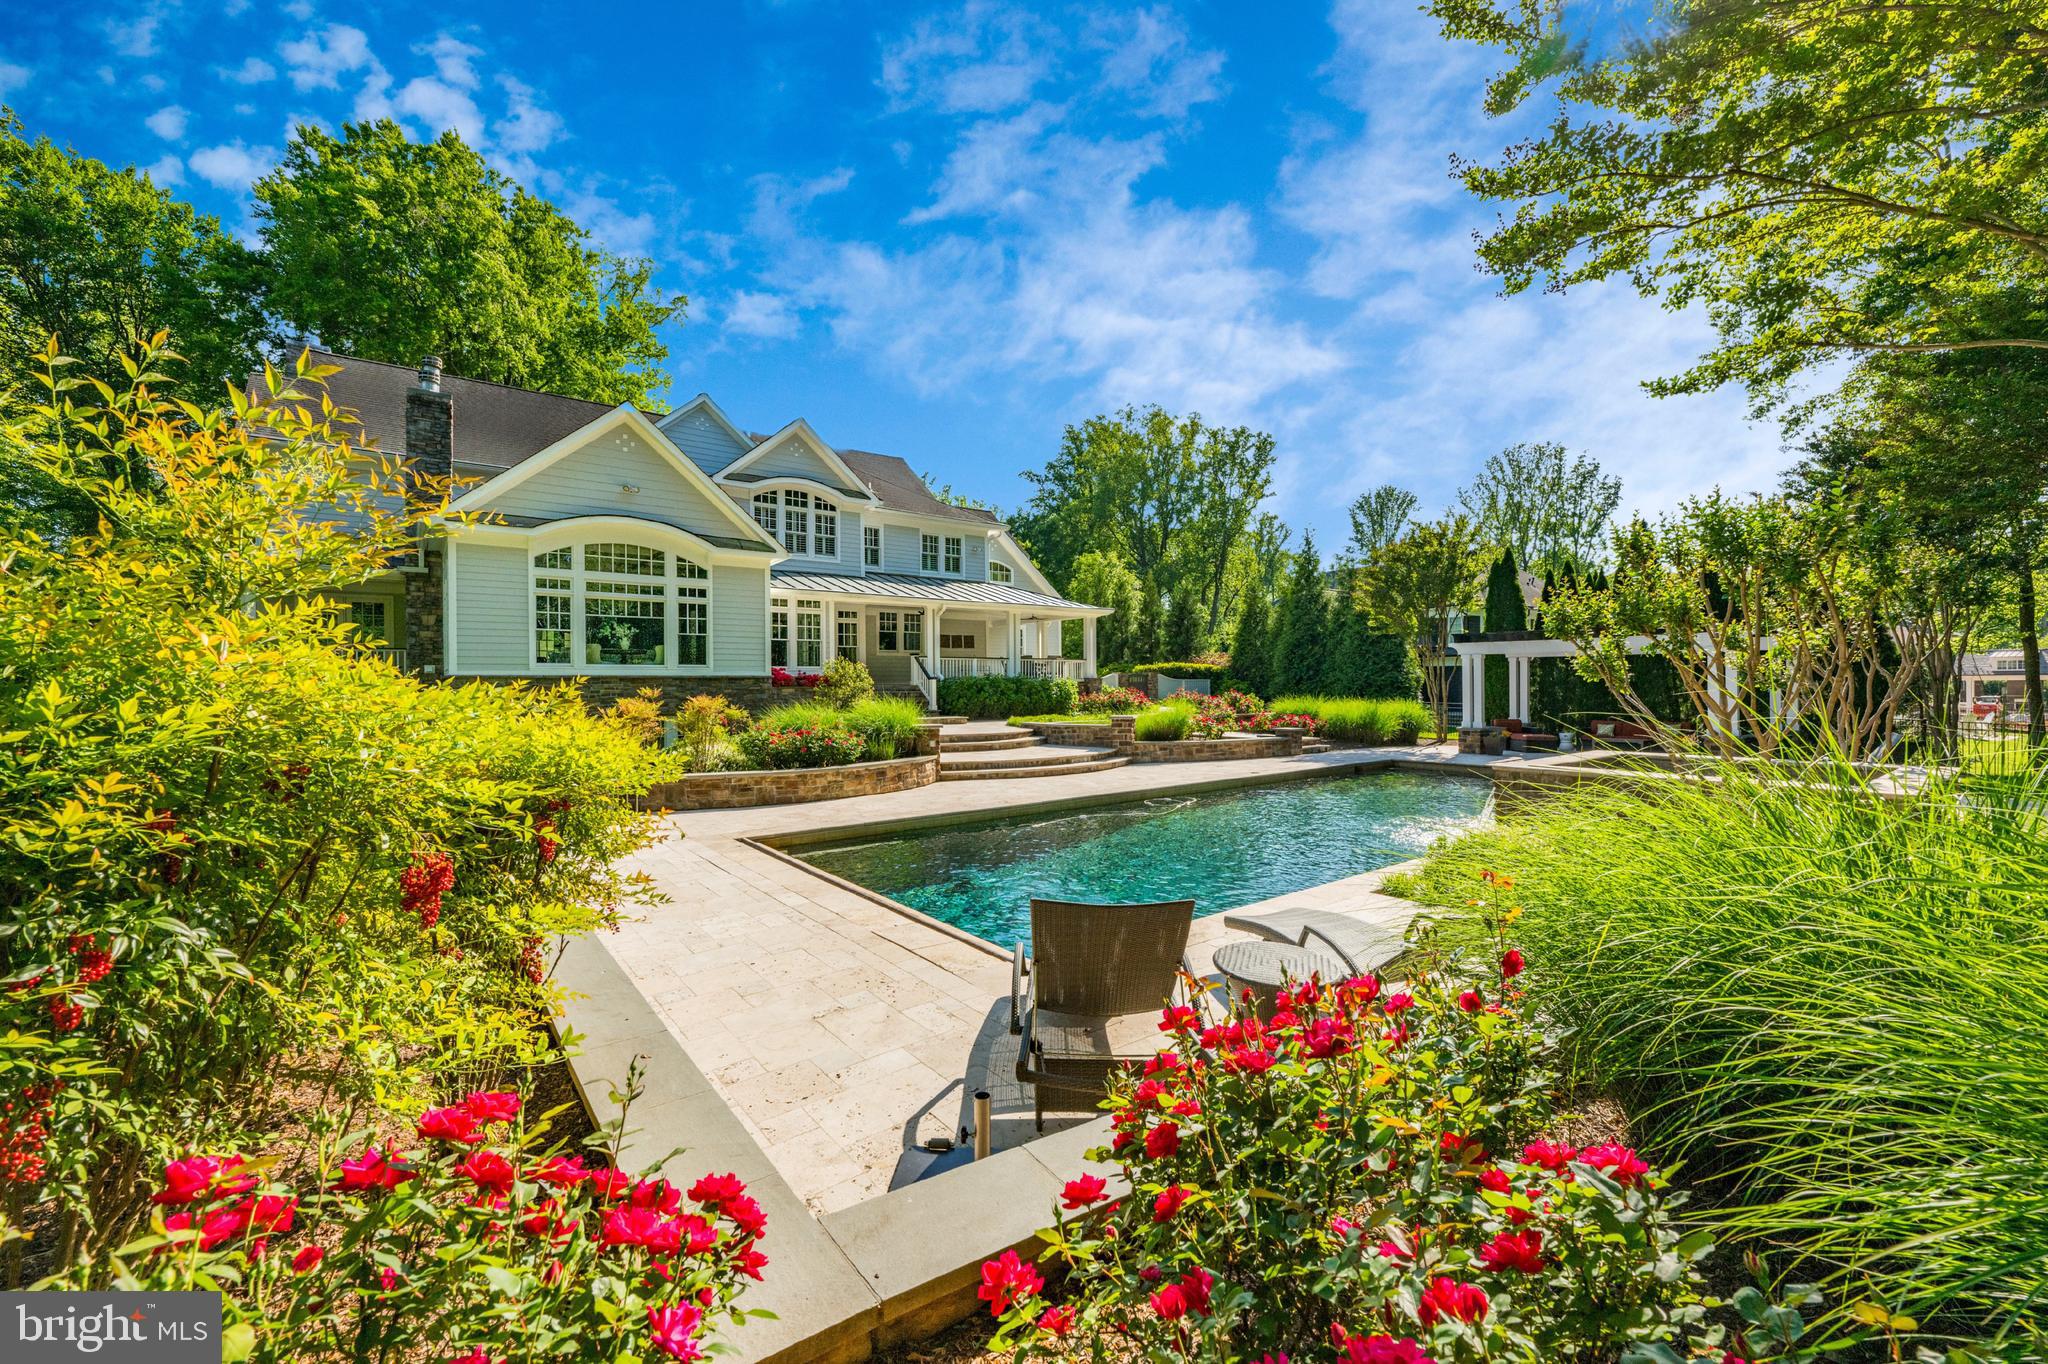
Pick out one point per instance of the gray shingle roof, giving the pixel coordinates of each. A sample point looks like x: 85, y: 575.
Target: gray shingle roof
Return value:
x: 898, y: 486
x: 918, y: 589
x: 495, y: 425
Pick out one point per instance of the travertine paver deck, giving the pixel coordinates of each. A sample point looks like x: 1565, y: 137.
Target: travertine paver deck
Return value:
x: 843, y: 1032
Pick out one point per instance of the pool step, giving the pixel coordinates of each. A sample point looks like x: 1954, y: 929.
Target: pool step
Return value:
x: 1315, y: 746
x: 1011, y: 760
x: 948, y: 772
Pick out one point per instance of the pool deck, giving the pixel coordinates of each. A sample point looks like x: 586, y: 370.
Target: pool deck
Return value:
x: 842, y: 1032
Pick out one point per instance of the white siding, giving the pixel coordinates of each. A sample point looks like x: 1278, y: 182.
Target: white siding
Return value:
x: 900, y: 549
x: 739, y: 621
x: 973, y: 554
x: 492, y: 613
x: 1001, y: 553
x: 848, y: 560
x: 588, y: 482
x: 709, y: 446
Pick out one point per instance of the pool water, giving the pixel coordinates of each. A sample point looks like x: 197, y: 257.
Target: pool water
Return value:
x: 1221, y: 849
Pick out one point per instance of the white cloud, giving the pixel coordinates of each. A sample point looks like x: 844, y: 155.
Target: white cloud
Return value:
x: 166, y: 171
x: 168, y: 122
x: 617, y: 230
x: 233, y: 165
x: 526, y: 126
x: 984, y: 58
x: 439, y: 106
x: 301, y: 10
x: 253, y: 71
x: 754, y: 314
x: 13, y: 75
x: 320, y: 59
x: 153, y: 83
x: 133, y: 37
x: 1148, y: 54
x: 453, y: 60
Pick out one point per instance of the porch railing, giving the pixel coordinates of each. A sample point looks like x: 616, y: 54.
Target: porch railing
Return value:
x: 1000, y: 667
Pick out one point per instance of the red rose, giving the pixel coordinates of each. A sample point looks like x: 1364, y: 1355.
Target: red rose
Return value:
x: 1006, y: 1279
x: 1163, y: 1140
x: 1447, y: 1298
x: 1469, y: 1001
x: 1169, y: 1202
x: 1082, y: 1192
x: 610, y: 1185
x: 450, y: 1124
x: 374, y: 1169
x: 307, y: 1260
x: 1552, y: 1156
x: 1511, y: 964
x: 564, y: 1172
x: 488, y: 1170
x: 1619, y: 1163
x: 1519, y: 1252
x: 1377, y: 1349
x: 717, y: 1190
x: 674, y: 1330
x: 488, y: 1106
x: 1177, y: 1018
x: 746, y: 1214
x: 1057, y: 1321
x: 1496, y: 1180
x: 750, y: 1262
x: 658, y: 1194
x: 1400, y: 1002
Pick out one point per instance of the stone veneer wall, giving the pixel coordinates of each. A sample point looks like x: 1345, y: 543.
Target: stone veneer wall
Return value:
x: 735, y: 790
x: 754, y: 694
x: 423, y: 608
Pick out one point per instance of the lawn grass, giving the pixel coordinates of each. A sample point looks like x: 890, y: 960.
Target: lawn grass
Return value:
x: 1830, y: 1005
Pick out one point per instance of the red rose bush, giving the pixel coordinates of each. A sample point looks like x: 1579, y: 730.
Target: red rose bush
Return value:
x: 1363, y: 1177
x: 468, y: 1244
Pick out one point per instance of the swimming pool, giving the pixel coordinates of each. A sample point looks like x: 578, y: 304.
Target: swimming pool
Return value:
x: 1221, y: 849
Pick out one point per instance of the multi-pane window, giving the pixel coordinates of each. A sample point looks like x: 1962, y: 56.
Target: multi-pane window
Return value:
x: 952, y: 554
x: 369, y: 618
x: 964, y: 643
x: 999, y: 573
x: 778, y: 632
x: 928, y: 558
x: 810, y: 633
x: 848, y: 638
x: 764, y: 511
x: 824, y: 529
x: 871, y: 546
x: 913, y: 632
x: 616, y: 605
x: 796, y: 521
x: 885, y: 631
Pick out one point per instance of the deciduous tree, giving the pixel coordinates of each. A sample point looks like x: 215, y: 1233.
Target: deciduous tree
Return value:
x: 1542, y: 504
x: 1378, y: 518
x: 1415, y: 586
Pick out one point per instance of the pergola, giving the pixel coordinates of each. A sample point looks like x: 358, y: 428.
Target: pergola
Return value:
x: 1521, y: 652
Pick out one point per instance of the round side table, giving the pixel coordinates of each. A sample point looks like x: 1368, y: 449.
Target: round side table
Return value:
x: 1265, y: 968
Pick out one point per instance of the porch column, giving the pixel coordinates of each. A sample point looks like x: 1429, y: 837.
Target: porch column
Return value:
x: 1013, y: 657
x: 1088, y: 647
x: 1472, y: 673
x: 931, y: 639
x: 1519, y: 681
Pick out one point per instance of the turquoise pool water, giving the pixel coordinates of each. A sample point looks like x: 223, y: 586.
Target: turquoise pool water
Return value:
x: 1222, y: 849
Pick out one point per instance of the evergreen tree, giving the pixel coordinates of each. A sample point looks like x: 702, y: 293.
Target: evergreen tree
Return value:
x: 1251, y: 650
x: 1504, y: 610
x: 1183, y: 629
x: 1303, y: 645
x: 1144, y: 637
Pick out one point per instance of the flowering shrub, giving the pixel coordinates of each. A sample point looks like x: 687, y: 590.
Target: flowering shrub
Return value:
x: 783, y: 677
x: 232, y: 837
x: 802, y: 746
x: 1241, y: 712
x: 478, y: 1245
x: 1112, y: 701
x: 1363, y: 1178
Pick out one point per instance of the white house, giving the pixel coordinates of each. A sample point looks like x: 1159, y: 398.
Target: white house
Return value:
x: 681, y: 551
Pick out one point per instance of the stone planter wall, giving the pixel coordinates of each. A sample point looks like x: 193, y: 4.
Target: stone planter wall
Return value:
x: 788, y: 786
x: 1119, y: 732
x: 754, y: 694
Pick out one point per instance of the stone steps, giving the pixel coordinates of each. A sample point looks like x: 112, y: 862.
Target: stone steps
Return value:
x: 1007, y: 771
x: 1016, y: 759
x: 1009, y: 741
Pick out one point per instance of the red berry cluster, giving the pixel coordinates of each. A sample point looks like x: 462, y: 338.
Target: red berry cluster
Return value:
x: 165, y: 824
x: 24, y: 1130
x: 94, y: 961
x: 544, y: 837
x: 66, y: 1013
x: 530, y: 961
x: 423, y: 883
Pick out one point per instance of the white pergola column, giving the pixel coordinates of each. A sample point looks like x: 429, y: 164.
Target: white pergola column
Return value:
x: 1013, y: 654
x: 1518, y: 687
x: 1088, y: 647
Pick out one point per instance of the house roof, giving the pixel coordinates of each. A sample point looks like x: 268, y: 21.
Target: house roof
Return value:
x: 914, y: 588
x: 495, y: 424
x: 898, y: 486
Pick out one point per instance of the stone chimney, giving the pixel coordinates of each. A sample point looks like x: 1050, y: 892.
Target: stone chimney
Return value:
x: 430, y: 423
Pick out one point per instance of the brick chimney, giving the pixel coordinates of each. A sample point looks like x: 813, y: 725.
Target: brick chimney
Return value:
x: 430, y: 423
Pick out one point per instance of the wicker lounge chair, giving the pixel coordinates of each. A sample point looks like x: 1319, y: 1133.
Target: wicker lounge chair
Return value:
x: 1362, y: 944
x: 1089, y: 967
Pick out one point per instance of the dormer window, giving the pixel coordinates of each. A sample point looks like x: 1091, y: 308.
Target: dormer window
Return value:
x: 999, y: 573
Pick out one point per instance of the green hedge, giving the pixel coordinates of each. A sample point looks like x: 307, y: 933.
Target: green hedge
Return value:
x: 999, y: 698
x: 1188, y: 671
x: 1165, y: 724
x: 1560, y: 699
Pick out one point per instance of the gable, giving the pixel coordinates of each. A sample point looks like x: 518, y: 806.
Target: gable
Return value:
x: 795, y: 458
x: 708, y: 442
x: 592, y: 481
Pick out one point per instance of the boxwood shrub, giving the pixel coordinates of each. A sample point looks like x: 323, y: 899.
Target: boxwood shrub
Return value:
x: 999, y: 698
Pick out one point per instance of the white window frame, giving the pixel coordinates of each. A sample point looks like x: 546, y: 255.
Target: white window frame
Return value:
x: 685, y: 579
x: 1000, y: 573
x: 871, y: 546
x: 928, y: 553
x: 955, y: 555
x: 824, y: 528
x: 913, y: 632
x: 888, y: 631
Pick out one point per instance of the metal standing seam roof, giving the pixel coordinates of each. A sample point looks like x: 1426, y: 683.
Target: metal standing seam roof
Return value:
x: 914, y: 588
x: 722, y: 541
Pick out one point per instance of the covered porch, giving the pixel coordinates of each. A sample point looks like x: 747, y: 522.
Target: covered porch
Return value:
x: 911, y: 633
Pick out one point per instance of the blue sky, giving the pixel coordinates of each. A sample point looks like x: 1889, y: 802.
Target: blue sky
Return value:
x: 945, y: 232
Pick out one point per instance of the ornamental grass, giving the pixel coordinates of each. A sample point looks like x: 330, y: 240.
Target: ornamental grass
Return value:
x: 1827, y: 1004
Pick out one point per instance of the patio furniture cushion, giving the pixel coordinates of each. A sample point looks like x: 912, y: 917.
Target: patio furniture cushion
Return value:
x: 1366, y: 945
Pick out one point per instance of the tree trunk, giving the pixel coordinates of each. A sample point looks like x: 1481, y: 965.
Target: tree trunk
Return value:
x: 2030, y: 650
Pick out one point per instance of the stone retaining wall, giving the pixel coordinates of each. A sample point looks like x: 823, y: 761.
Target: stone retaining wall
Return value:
x: 788, y: 786
x: 753, y: 694
x: 1119, y: 732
